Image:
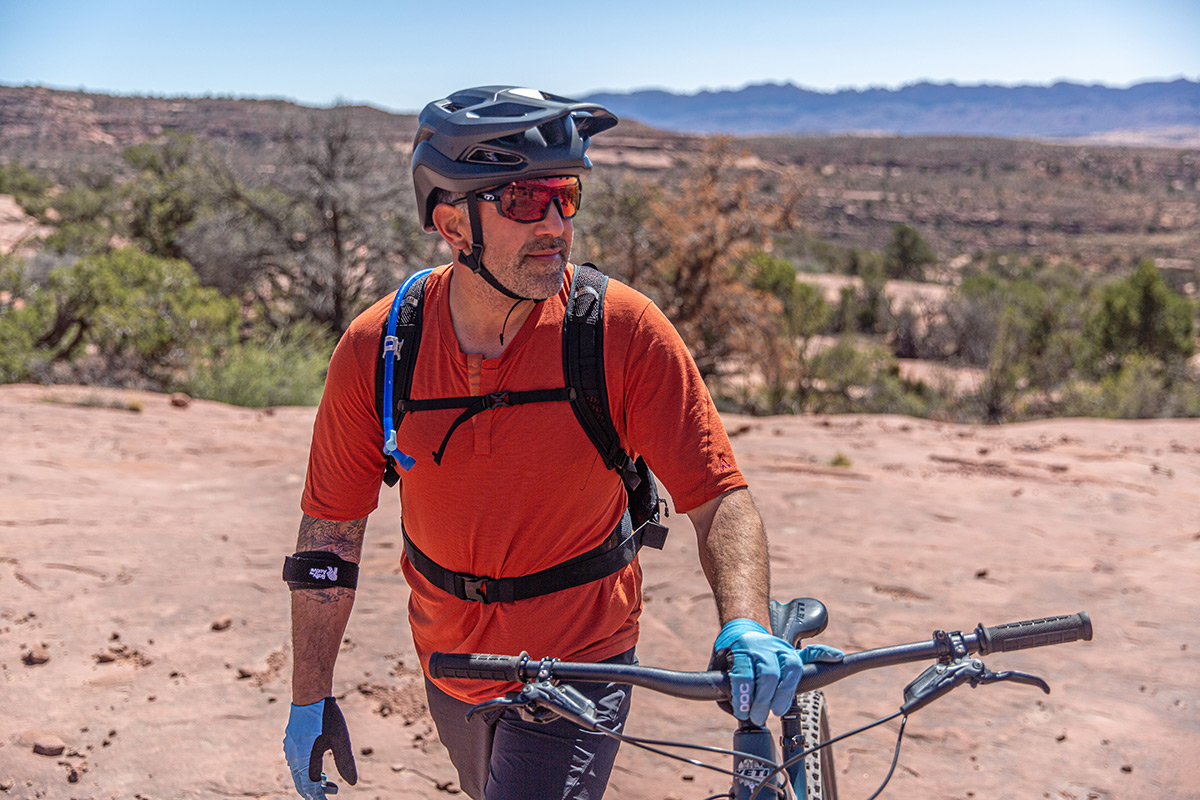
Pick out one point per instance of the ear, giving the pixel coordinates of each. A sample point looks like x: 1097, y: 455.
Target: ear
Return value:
x: 453, y: 225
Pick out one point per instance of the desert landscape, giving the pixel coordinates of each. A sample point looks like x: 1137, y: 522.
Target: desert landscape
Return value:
x: 144, y: 628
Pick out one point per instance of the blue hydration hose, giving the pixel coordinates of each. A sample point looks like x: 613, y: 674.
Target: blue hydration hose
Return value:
x: 391, y: 348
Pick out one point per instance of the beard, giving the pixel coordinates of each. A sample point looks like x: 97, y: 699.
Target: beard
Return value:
x: 536, y: 278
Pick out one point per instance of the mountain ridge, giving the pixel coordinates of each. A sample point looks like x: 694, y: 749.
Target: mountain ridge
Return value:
x: 1060, y: 110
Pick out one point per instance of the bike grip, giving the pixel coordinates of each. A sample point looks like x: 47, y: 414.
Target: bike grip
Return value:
x: 475, y: 666
x: 1034, y: 633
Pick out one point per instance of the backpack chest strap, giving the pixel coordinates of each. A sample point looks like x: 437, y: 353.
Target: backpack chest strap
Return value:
x: 476, y: 404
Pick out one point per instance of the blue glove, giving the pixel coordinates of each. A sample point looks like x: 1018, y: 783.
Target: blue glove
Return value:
x: 766, y: 669
x: 311, y: 730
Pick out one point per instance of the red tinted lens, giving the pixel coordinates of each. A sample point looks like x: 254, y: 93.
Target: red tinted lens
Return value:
x: 528, y: 201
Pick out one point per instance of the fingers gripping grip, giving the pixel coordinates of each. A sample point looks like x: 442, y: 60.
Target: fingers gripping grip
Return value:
x: 474, y: 666
x: 1034, y: 633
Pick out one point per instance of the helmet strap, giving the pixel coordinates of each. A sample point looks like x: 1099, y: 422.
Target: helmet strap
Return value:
x: 474, y: 259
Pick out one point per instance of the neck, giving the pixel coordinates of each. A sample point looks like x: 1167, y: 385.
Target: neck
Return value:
x: 481, y: 315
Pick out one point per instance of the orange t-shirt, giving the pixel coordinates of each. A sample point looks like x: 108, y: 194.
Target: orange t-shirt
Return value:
x: 521, y: 488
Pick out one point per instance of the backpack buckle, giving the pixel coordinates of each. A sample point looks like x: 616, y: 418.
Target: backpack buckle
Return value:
x: 497, y: 400
x: 473, y: 588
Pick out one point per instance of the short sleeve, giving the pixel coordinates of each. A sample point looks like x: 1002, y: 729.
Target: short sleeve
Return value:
x: 670, y: 418
x: 346, y: 461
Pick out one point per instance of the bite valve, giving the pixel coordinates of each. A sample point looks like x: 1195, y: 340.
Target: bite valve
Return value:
x: 405, y: 461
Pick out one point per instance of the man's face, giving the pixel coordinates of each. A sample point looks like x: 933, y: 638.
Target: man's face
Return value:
x: 527, y: 257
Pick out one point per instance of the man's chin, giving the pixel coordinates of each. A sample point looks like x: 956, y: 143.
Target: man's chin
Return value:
x: 545, y: 275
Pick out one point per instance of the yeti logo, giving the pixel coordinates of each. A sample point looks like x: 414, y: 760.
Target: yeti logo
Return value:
x: 326, y: 574
x: 751, y: 773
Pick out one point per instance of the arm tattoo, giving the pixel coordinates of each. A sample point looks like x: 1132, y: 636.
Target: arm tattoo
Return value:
x: 342, y: 538
x: 327, y: 596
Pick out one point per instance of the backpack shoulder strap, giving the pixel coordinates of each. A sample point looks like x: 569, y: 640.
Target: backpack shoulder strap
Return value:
x: 583, y: 369
x: 398, y: 345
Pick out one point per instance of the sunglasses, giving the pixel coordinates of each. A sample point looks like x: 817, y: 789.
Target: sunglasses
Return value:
x: 529, y: 200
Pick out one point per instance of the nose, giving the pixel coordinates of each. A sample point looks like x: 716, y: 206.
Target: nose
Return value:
x: 553, y: 223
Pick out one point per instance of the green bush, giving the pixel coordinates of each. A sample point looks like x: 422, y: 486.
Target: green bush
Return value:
x: 1139, y: 315
x: 907, y: 254
x: 24, y: 315
x: 848, y: 379
x: 27, y: 187
x: 1141, y: 388
x: 864, y: 308
x: 121, y: 318
x: 282, y: 368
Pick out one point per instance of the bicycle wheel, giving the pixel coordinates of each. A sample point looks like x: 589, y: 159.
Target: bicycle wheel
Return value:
x: 819, y: 780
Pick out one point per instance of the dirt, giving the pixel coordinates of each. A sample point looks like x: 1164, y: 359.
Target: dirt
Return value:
x: 128, y: 534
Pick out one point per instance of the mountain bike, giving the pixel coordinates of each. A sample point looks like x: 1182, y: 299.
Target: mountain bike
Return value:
x: 806, y: 769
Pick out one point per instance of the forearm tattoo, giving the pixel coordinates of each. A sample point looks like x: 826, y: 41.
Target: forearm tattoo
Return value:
x: 343, y: 538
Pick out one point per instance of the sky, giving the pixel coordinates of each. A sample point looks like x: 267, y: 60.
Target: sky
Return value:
x: 400, y: 55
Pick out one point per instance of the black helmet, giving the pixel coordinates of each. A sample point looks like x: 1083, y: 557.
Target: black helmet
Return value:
x: 483, y: 137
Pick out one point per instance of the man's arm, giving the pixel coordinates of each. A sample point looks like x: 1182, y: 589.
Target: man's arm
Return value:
x: 733, y: 553
x: 319, y: 616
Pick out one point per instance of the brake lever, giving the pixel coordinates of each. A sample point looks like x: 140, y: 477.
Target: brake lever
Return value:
x: 941, y: 678
x: 508, y: 700
x: 1014, y: 676
x: 543, y: 696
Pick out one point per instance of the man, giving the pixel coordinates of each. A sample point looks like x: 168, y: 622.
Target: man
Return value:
x: 515, y: 490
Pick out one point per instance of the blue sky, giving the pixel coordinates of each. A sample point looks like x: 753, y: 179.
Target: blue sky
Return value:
x: 399, y: 55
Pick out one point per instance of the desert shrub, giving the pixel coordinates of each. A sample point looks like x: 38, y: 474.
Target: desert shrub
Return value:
x: 907, y: 254
x: 23, y: 317
x: 864, y: 308
x: 1139, y: 315
x: 85, y: 213
x: 849, y: 378
x: 284, y: 367
x: 803, y: 310
x: 330, y: 230
x: 1006, y: 368
x: 166, y: 195
x: 792, y: 313
x: 1042, y: 307
x: 686, y: 250
x: 120, y: 318
x: 1141, y: 388
x: 26, y: 186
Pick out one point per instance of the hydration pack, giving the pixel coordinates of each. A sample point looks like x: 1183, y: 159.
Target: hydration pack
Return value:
x: 584, y: 388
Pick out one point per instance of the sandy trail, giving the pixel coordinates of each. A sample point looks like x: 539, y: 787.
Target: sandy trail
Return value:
x: 141, y: 552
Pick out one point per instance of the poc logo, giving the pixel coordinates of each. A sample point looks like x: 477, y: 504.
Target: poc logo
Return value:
x: 326, y: 574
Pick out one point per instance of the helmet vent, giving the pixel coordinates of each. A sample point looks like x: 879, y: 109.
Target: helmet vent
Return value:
x: 484, y: 155
x: 554, y: 133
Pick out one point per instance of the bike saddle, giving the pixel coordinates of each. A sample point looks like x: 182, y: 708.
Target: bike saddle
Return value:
x: 798, y: 619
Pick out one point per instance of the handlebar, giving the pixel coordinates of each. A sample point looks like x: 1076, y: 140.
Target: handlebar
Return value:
x: 714, y: 685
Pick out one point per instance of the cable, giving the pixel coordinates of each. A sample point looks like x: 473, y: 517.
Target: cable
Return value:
x: 895, y: 759
x: 805, y: 754
x: 506, y: 316
x: 653, y: 745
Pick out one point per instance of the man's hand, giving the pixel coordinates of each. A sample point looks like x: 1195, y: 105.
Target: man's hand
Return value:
x: 311, y: 730
x: 766, y: 670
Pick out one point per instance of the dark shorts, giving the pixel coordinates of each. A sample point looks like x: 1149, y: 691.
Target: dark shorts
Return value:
x: 502, y: 755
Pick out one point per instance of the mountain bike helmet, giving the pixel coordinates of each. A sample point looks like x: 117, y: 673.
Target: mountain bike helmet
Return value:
x: 483, y: 137
x: 490, y: 135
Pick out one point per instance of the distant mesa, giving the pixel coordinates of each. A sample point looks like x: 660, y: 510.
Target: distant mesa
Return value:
x: 1063, y: 110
